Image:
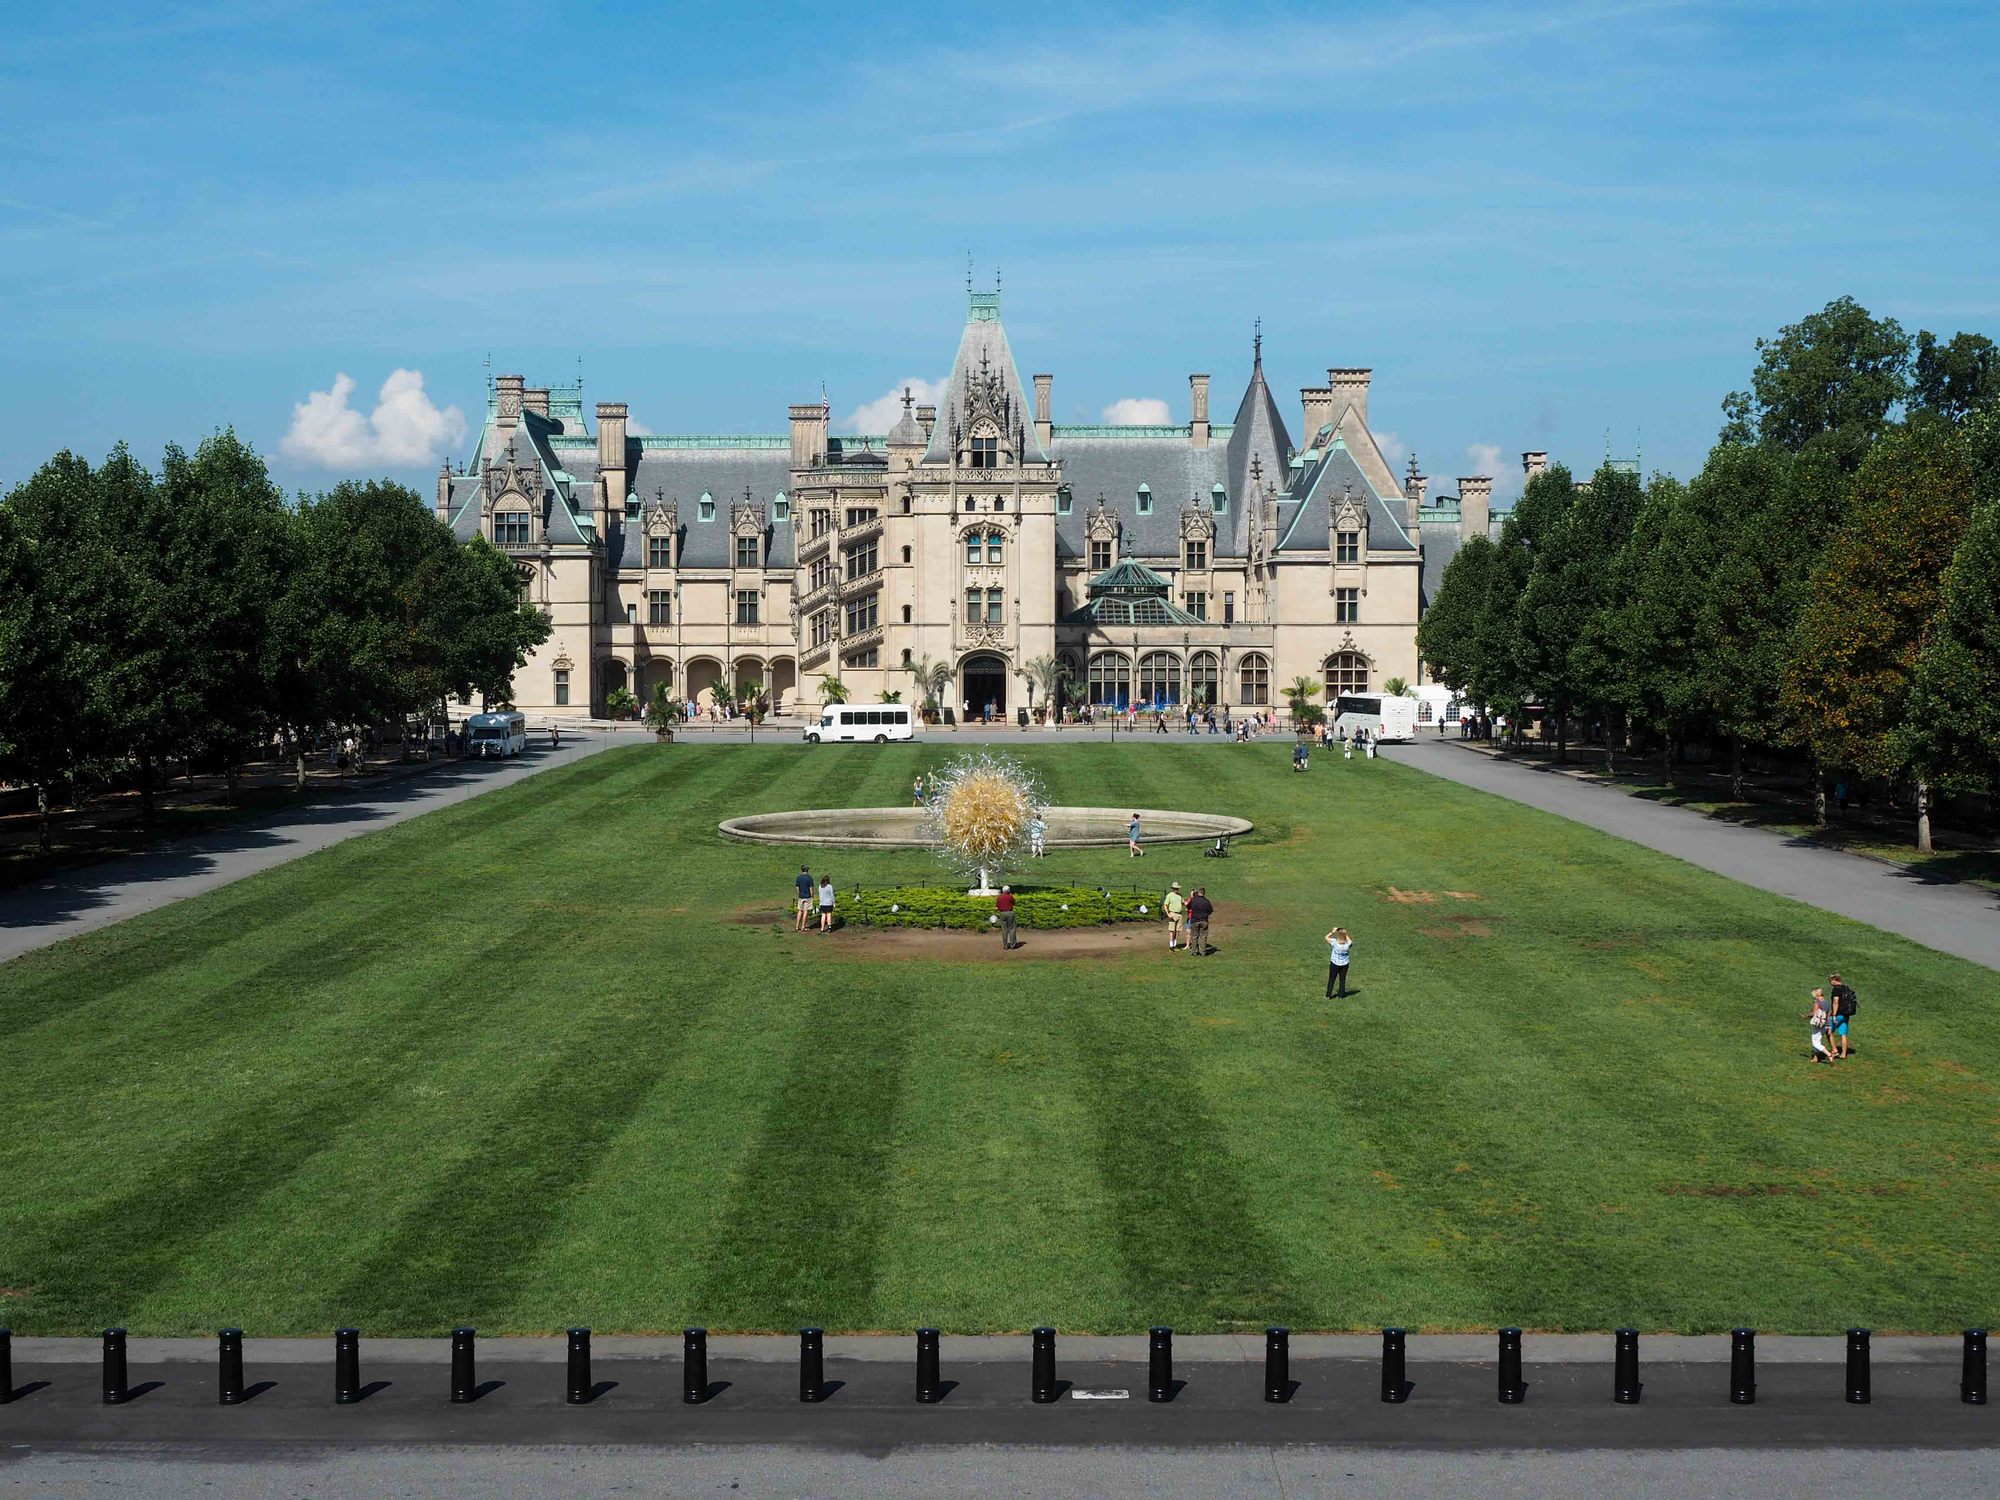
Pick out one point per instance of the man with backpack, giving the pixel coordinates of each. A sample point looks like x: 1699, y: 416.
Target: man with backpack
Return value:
x: 1843, y: 1003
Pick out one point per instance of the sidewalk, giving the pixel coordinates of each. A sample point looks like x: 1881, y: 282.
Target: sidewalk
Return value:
x: 92, y: 896
x: 1958, y: 919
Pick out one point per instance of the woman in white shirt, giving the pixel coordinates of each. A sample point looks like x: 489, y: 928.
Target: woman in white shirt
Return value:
x: 1339, y: 948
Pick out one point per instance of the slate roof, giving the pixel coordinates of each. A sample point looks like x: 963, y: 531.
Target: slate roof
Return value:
x: 686, y: 474
x: 1327, y: 474
x: 1173, y: 472
x: 983, y: 345
x: 1259, y: 433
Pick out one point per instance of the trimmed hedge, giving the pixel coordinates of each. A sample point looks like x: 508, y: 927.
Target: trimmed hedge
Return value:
x: 1035, y: 907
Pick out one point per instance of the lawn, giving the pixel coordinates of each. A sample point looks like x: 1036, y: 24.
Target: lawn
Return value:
x: 535, y: 1060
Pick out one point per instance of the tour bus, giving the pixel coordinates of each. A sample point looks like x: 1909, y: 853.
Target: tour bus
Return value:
x: 496, y: 736
x: 1438, y: 708
x: 880, y: 722
x: 1384, y: 718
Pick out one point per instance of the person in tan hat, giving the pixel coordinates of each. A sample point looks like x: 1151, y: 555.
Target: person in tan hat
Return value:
x: 1176, y: 910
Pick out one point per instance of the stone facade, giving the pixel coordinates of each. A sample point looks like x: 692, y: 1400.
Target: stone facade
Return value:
x: 1203, y: 561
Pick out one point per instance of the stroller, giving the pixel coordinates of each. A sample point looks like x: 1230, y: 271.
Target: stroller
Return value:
x: 1218, y: 850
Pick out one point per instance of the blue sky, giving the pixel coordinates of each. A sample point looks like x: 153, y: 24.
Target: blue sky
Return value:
x: 1535, y: 222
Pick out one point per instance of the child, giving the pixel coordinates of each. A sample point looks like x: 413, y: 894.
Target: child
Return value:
x: 1817, y: 1019
x: 1339, y: 950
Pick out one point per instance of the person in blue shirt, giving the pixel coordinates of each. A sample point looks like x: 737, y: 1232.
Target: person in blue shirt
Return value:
x: 1339, y: 949
x: 1132, y: 839
x: 804, y: 886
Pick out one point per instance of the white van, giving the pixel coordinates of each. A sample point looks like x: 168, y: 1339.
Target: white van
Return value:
x: 496, y: 735
x: 1384, y: 718
x: 880, y: 722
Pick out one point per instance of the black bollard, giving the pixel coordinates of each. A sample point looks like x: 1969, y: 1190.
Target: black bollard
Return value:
x: 229, y: 1366
x: 1277, y: 1364
x: 1971, y: 1380
x: 694, y: 1365
x: 1625, y: 1370
x: 1160, y: 1365
x: 6, y: 1365
x: 579, y: 1367
x: 1857, y: 1367
x: 1511, y: 1388
x: 346, y: 1366
x: 812, y: 1364
x: 1394, y: 1386
x: 928, y: 1388
x: 1044, y: 1382
x: 115, y: 1388
x: 1743, y: 1366
x: 462, y: 1378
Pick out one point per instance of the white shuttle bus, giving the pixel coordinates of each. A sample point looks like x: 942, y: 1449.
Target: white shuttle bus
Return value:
x: 1384, y: 718
x: 496, y: 735
x: 880, y: 722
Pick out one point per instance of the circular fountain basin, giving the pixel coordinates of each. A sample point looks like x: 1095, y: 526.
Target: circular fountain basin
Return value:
x: 902, y: 827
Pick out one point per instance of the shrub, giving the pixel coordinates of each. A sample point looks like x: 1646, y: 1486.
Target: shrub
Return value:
x: 1035, y: 907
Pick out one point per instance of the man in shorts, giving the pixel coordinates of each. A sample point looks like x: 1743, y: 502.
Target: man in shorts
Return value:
x: 1176, y: 910
x: 804, y: 886
x: 1841, y: 1007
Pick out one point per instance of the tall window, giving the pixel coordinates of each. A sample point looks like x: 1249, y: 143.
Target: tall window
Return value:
x: 1194, y: 555
x: 871, y: 657
x: 1253, y: 678
x: 1197, y: 604
x: 985, y: 452
x: 861, y: 515
x: 562, y: 687
x: 746, y: 606
x: 1204, y: 678
x: 747, y: 549
x: 861, y: 561
x: 659, y: 552
x: 659, y: 607
x: 821, y: 627
x: 1346, y: 606
x: 975, y: 603
x: 1100, y: 556
x: 1109, y: 684
x: 995, y: 543
x: 1229, y: 609
x: 860, y: 616
x: 1159, y: 678
x: 510, y: 528
x: 1346, y: 672
x: 1347, y: 546
x: 822, y: 523
x: 972, y: 548
x: 820, y: 574
x: 996, y: 606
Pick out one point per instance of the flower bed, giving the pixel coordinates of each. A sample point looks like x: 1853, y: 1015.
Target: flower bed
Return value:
x: 1035, y: 907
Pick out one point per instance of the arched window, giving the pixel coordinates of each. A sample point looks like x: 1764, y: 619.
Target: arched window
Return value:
x: 1346, y: 672
x: 906, y: 554
x: 1159, y: 678
x: 1110, y: 681
x: 1204, y: 678
x: 1254, y: 680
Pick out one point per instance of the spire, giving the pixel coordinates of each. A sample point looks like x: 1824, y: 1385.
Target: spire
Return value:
x: 1257, y: 345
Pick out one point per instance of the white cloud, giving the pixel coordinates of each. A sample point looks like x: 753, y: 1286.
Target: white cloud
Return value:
x: 1394, y: 449
x: 405, y: 428
x: 879, y: 415
x: 1485, y: 459
x: 637, y: 429
x: 1138, y: 411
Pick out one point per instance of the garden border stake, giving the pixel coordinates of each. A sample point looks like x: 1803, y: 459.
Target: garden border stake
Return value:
x: 812, y: 1364
x: 1858, y: 1393
x: 1277, y: 1364
x: 1042, y: 1387
x: 1625, y: 1386
x: 1160, y: 1364
x: 694, y: 1365
x: 1972, y: 1373
x: 116, y: 1391
x: 229, y: 1367
x: 929, y: 1390
x: 1743, y: 1366
x: 346, y: 1366
x: 464, y: 1381
x: 1395, y: 1389
x: 1512, y: 1390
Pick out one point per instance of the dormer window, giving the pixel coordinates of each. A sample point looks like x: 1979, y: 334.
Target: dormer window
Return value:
x: 1347, y: 546
x: 1145, y: 500
x: 781, y: 508
x: 985, y: 452
x: 706, y: 510
x: 1195, y: 555
x: 510, y: 528
x: 1218, y: 500
x: 1063, y: 501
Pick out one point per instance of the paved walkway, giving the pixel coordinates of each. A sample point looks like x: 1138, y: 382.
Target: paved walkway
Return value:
x: 93, y: 896
x: 1963, y: 920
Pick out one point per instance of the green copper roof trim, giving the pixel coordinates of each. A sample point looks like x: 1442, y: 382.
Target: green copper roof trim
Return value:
x: 762, y: 441
x: 1111, y: 430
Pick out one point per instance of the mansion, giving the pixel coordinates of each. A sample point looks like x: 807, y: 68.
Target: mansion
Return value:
x: 1208, y: 562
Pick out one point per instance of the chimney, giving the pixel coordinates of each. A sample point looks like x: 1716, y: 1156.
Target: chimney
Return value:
x: 1318, y: 403
x: 507, y: 405
x: 444, y: 491
x: 927, y: 419
x: 1350, y: 388
x: 1533, y: 463
x: 808, y: 435
x: 1044, y: 425
x: 1198, y: 410
x: 536, y: 400
x: 611, y: 476
x: 1475, y: 505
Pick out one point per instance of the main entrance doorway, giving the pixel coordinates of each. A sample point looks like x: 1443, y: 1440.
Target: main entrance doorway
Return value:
x: 985, y: 679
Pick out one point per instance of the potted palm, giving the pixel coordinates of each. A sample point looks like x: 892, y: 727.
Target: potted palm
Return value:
x: 620, y: 704
x: 664, y: 714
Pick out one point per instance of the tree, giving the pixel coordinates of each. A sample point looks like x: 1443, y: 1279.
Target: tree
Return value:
x: 1299, y: 694
x: 1957, y: 379
x: 1951, y: 732
x: 1396, y: 687
x: 933, y: 677
x: 665, y: 712
x: 1854, y: 654
x: 1448, y: 633
x: 620, y: 704
x: 832, y: 690
x: 1629, y: 648
x: 1048, y: 674
x: 1833, y: 377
